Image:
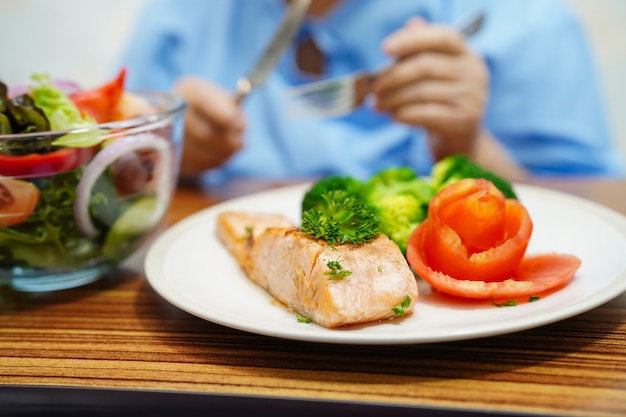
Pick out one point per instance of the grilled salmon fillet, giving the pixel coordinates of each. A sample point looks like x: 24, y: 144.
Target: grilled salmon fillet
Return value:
x: 334, y: 286
x: 237, y: 230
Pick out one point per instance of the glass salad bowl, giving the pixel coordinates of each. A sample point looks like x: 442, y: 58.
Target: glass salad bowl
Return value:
x: 76, y: 203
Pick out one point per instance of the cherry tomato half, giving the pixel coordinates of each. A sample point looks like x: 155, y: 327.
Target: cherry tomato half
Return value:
x: 18, y: 200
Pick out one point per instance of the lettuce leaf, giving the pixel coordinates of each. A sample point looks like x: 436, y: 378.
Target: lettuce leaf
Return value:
x: 63, y: 114
x: 50, y: 237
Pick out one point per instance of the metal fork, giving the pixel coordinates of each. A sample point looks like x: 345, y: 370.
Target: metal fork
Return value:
x: 339, y: 96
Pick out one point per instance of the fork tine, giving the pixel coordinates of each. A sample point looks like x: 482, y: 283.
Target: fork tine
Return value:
x: 333, y: 96
x: 323, y: 105
x: 339, y: 97
x: 320, y: 89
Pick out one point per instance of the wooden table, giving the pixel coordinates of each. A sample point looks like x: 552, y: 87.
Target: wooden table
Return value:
x: 117, y: 345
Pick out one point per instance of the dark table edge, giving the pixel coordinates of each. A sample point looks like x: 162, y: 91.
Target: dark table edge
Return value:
x: 52, y: 401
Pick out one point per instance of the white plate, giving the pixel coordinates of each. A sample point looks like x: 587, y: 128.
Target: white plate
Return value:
x: 190, y: 268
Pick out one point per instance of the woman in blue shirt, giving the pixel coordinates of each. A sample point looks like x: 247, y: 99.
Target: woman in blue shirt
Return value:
x: 519, y: 97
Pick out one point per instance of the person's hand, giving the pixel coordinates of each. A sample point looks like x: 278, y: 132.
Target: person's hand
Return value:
x: 213, y: 125
x: 437, y: 83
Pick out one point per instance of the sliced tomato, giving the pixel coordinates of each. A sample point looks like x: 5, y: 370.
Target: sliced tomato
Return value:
x: 100, y: 103
x: 18, y: 200
x: 474, y: 233
x: 46, y: 164
x: 478, y: 218
x: 534, y: 275
x: 446, y: 249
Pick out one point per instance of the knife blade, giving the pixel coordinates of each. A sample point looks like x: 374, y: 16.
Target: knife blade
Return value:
x: 282, y: 38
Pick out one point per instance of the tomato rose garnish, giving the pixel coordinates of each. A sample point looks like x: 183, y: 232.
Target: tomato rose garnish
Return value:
x: 474, y: 233
x: 473, y: 244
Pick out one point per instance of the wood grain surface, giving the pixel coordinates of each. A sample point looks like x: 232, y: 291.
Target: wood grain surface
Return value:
x: 118, y: 333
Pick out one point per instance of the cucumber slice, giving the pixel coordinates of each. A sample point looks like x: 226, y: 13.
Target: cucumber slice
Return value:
x: 136, y: 220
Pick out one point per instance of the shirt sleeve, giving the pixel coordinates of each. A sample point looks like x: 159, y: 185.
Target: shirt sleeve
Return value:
x: 546, y: 104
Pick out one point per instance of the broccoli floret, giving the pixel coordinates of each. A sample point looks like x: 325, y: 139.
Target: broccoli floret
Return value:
x: 313, y: 197
x: 457, y: 167
x: 399, y: 215
x: 396, y: 180
x: 401, y: 199
x: 341, y: 218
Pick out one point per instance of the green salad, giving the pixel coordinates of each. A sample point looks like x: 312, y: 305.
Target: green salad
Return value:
x: 71, y: 198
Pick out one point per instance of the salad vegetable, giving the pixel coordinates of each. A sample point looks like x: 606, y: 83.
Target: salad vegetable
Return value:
x: 130, y: 226
x: 60, y: 111
x: 462, y: 230
x: 341, y: 218
x: 43, y: 109
x: 18, y: 200
x: 20, y: 114
x: 400, y: 309
x: 399, y: 196
x: 64, y: 197
x: 101, y: 103
x: 44, y: 164
x: 313, y: 197
x: 473, y: 245
x: 336, y: 270
x: 401, y: 199
x: 474, y: 233
x: 457, y: 167
x: 104, y: 159
x: 49, y: 237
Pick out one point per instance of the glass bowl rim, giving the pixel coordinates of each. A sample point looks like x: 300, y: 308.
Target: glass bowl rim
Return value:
x: 176, y: 105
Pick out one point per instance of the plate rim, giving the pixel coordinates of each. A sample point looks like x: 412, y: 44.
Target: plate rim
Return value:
x: 155, y: 257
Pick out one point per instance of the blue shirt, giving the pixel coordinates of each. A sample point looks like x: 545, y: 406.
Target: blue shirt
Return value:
x: 544, y: 104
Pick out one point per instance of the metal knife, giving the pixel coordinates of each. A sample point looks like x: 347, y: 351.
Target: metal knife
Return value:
x: 284, y: 35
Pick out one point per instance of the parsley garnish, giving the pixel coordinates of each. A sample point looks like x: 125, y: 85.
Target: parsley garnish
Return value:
x: 247, y: 233
x: 336, y: 270
x: 510, y: 303
x: 302, y: 319
x: 398, y: 311
x: 340, y: 218
x: 513, y: 303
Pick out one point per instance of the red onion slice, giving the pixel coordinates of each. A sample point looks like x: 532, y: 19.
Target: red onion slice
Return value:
x: 106, y: 157
x: 68, y: 87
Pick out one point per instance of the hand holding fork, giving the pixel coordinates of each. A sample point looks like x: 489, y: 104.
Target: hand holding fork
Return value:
x: 437, y: 83
x: 341, y: 95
